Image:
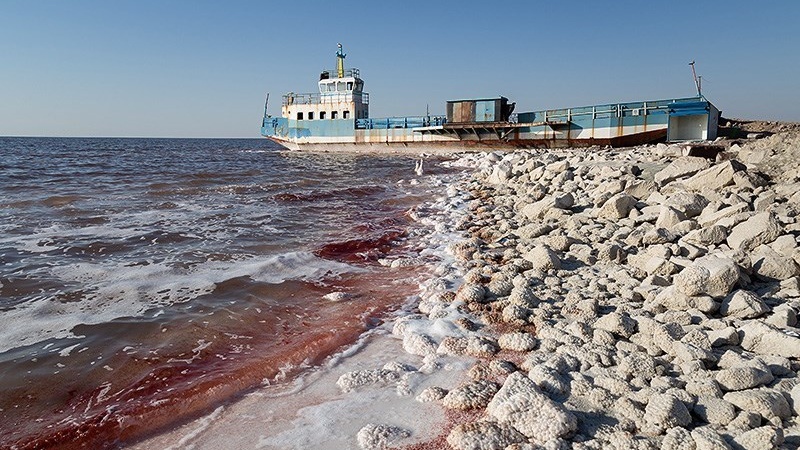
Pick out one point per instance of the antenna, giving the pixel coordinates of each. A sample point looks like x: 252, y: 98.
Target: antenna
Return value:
x: 696, y: 80
x: 266, y: 102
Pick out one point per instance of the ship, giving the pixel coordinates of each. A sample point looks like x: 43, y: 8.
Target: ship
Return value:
x: 336, y: 118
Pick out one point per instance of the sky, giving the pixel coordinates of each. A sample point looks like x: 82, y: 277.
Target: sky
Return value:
x: 195, y: 68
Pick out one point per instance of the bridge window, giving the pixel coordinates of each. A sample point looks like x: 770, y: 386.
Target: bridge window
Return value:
x: 349, y: 85
x: 340, y: 86
x: 299, y: 116
x: 334, y: 114
x: 345, y: 114
x: 311, y: 115
x: 322, y: 115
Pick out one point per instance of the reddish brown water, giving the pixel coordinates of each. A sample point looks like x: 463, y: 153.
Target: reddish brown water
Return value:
x: 146, y: 281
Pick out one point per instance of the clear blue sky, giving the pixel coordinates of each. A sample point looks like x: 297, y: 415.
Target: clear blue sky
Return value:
x: 201, y: 68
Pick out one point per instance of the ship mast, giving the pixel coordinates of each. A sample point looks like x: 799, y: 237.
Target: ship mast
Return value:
x: 340, y: 62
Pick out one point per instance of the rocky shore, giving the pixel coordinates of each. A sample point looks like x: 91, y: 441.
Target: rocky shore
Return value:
x: 619, y: 298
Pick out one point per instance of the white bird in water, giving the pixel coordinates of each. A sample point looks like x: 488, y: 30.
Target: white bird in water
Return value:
x: 418, y: 167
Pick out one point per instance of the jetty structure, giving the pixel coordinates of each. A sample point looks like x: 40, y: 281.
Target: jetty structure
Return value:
x: 336, y: 118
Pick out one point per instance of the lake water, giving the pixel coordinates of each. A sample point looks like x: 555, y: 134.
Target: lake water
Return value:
x: 144, y: 281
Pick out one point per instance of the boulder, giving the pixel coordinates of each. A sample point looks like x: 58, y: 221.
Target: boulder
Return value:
x: 668, y: 217
x: 666, y: 411
x: 689, y: 203
x: 374, y: 436
x: 743, y: 304
x: 692, y: 280
x: 759, y: 438
x: 616, y: 207
x: 707, y: 236
x: 715, y: 411
x: 761, y: 228
x: 706, y: 438
x: 476, y: 394
x: 640, y: 190
x: 710, y: 218
x: 616, y: 323
x: 483, y: 435
x: 714, y: 177
x: 723, y: 274
x: 743, y: 377
x: 564, y: 201
x: 763, y: 339
x: 500, y: 174
x: 769, y: 265
x: 517, y: 341
x: 769, y: 403
x: 543, y: 259
x: 523, y: 406
x: 680, y: 168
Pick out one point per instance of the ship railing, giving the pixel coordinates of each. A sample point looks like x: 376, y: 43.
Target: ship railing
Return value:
x: 603, y: 111
x: 353, y: 72
x: 400, y: 122
x: 316, y: 98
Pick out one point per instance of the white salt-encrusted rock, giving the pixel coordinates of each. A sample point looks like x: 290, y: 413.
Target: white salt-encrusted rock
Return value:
x: 723, y: 274
x: 452, y: 345
x: 616, y: 207
x: 533, y: 230
x: 431, y: 394
x: 762, y: 228
x: 378, y: 437
x: 692, y: 280
x: 419, y: 344
x: 691, y: 204
x: 677, y: 438
x: 668, y: 217
x: 543, y: 259
x: 483, y: 436
x: 766, y: 437
x: 715, y: 177
x: 705, y: 438
x: 682, y: 167
x: 770, y: 403
x: 712, y: 235
x: 666, y: 411
x: 352, y: 380
x: 637, y: 365
x: 481, y: 347
x: 470, y: 293
x: 617, y: 323
x: 548, y: 379
x: 743, y: 304
x: 794, y: 400
x: 725, y: 336
x: 740, y: 378
x: 763, y: 339
x: 715, y: 411
x: 472, y: 395
x: 523, y: 296
x: 518, y: 342
x: 769, y: 265
x: 522, y: 405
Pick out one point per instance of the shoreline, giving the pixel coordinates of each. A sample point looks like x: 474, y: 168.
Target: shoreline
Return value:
x: 599, y: 299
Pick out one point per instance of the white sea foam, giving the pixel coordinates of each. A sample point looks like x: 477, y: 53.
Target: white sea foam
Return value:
x: 114, y: 290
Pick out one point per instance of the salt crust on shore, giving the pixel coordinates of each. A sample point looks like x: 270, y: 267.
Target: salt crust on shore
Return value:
x: 609, y: 320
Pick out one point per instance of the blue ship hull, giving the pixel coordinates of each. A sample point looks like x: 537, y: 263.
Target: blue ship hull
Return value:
x: 619, y: 124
